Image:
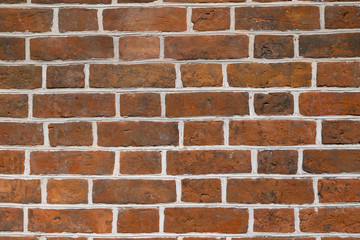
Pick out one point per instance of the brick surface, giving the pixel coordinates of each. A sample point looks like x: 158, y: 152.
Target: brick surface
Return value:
x: 69, y: 76
x: 67, y: 191
x: 70, y: 134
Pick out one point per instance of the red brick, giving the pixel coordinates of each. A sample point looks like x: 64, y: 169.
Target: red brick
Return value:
x: 339, y: 238
x: 137, y: 191
x: 70, y: 220
x: 77, y: 19
x: 20, y: 77
x: 201, y: 190
x: 28, y: 238
x: 219, y: 220
x: 201, y: 75
x: 342, y: 17
x: 331, y: 161
x: 20, y: 191
x: 152, y: 75
x: 269, y: 190
x: 277, y: 162
x: 274, y: 220
x: 338, y: 190
x: 65, y: 238
x: 70, y: 134
x: 12, y: 49
x: 72, y: 162
x: 217, y: 162
x: 273, y: 46
x: 340, y: 132
x: 115, y: 134
x: 164, y: 19
x: 203, y: 238
x: 206, y: 47
x: 13, y: 105
x: 74, y: 105
x: 71, y: 48
x: 140, y: 162
x: 210, y: 19
x: 329, y: 103
x: 276, y: 238
x: 12, y: 133
x: 139, y: 47
x: 261, y: 75
x: 12, y: 162
x: 11, y: 219
x: 204, y: 1
x: 72, y: 1
x: 122, y: 238
x: 135, y: 1
x: 326, y: 220
x: 70, y: 76
x: 12, y: 1
x: 203, y: 133
x: 272, y: 132
x: 140, y: 105
x: 330, y: 45
x: 25, y: 20
x: 280, y: 18
x: 67, y: 191
x: 206, y: 104
x: 274, y: 104
x: 338, y: 74
x: 138, y: 221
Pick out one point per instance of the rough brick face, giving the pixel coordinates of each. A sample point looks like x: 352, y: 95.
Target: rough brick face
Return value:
x: 274, y: 220
x: 13, y: 105
x: 274, y: 104
x: 70, y: 76
x: 12, y: 162
x: 340, y: 132
x: 21, y: 133
x: 210, y: 19
x: 342, y: 17
x: 140, y: 105
x: 20, y: 77
x: 67, y: 191
x: 70, y: 134
x: 137, y: 48
x: 338, y: 74
x: 201, y: 190
x: 77, y: 20
x: 273, y: 47
x: 12, y: 49
x: 11, y: 219
x: 138, y: 221
x: 203, y: 133
x: 140, y: 162
x: 20, y: 191
x: 277, y: 162
x: 201, y: 75
x: 338, y: 190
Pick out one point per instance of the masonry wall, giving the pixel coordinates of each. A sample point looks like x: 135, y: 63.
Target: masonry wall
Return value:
x: 179, y: 119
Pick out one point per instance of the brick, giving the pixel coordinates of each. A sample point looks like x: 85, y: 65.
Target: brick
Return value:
x: 269, y: 190
x: 342, y: 17
x: 206, y: 104
x: 25, y: 20
x: 324, y: 220
x: 73, y: 105
x: 261, y: 75
x: 340, y: 132
x: 201, y: 190
x: 13, y: 105
x: 139, y: 47
x: 276, y: 238
x: 339, y: 238
x: 330, y: 45
x: 338, y: 74
x: 12, y: 162
x: 279, y: 18
x: 274, y: 104
x: 331, y: 161
x: 203, y: 133
x: 20, y: 191
x: 137, y: 191
x: 272, y: 132
x: 26, y: 238
x: 11, y: 219
x: 12, y: 49
x: 217, y: 162
x: 136, y: 238
x: 70, y: 134
x: 140, y: 162
x: 210, y: 19
x: 67, y: 191
x: 70, y: 76
x: 152, y: 75
x: 206, y: 47
x: 135, y: 1
x: 201, y: 75
x: 65, y: 238
x: 332, y: 190
x: 77, y: 19
x: 277, y: 162
x: 164, y: 19
x: 219, y: 220
x: 72, y: 162
x: 70, y: 220
x: 329, y: 103
x: 204, y: 1
x: 72, y: 1
x: 138, y: 221
x: 203, y: 238
x: 140, y: 105
x: 71, y: 48
x: 273, y: 47
x: 12, y: 1
x: 115, y: 134
x: 20, y: 77
x: 274, y: 220
x: 21, y: 133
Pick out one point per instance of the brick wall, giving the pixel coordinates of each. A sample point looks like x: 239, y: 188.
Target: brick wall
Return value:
x: 179, y: 119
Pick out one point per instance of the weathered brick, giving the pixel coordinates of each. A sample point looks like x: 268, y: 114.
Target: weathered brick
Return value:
x: 11, y: 219
x: 274, y: 104
x: 20, y: 77
x: 203, y: 133
x: 338, y: 74
x: 72, y: 1
x: 204, y: 1
x: 138, y: 191
x: 69, y: 76
x: 217, y: 162
x: 138, y: 221
x: 269, y: 190
x: 20, y: 191
x: 64, y: 238
x: 274, y: 220
x: 67, y: 191
x: 219, y: 220
x: 261, y: 75
x: 201, y: 75
x: 29, y: 238
x: 140, y: 162
x: 12, y: 49
x: 12, y: 162
x: 201, y: 190
x: 21, y: 133
x: 70, y: 134
x: 338, y: 190
x: 72, y: 162
x: 210, y: 19
x: 340, y: 132
x: 139, y: 47
x: 13, y: 105
x: 342, y: 17
x: 273, y: 46
x: 140, y: 105
x: 115, y: 134
x: 77, y: 19
x: 277, y: 161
